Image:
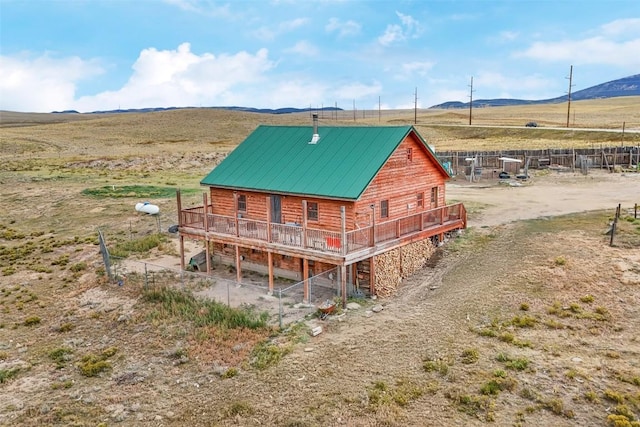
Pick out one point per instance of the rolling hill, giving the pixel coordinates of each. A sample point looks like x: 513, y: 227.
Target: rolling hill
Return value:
x: 626, y: 86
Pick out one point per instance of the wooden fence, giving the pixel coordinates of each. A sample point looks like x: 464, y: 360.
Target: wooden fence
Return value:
x: 459, y: 162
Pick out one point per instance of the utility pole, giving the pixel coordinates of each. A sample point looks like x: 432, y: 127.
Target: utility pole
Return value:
x: 415, y: 108
x: 470, y: 100
x: 569, y: 94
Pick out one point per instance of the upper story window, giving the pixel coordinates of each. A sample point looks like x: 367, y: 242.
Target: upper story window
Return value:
x: 242, y: 203
x: 384, y: 209
x: 409, y: 154
x: 312, y: 211
x: 420, y: 199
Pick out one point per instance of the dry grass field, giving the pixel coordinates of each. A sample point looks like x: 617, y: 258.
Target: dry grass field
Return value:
x: 533, y: 322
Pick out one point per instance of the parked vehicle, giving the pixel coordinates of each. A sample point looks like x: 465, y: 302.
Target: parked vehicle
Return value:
x: 532, y: 125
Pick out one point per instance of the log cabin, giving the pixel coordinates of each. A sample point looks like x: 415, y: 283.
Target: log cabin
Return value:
x: 293, y: 201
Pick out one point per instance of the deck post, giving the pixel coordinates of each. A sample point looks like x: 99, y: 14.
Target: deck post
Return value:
x: 305, y: 277
x: 182, y: 252
x: 235, y: 211
x: 304, y: 224
x: 207, y: 251
x: 179, y: 202
x: 372, y: 275
x: 343, y: 284
x: 270, y: 261
x: 269, y: 222
x: 373, y: 224
x: 238, y: 266
x: 206, y: 220
x: 343, y: 223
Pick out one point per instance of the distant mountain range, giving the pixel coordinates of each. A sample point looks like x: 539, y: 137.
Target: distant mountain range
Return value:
x: 626, y: 86
x: 245, y: 109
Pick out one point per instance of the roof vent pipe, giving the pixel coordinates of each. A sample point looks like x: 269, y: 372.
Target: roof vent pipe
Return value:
x: 315, y: 137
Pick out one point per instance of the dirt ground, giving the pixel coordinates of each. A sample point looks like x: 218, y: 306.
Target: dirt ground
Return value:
x: 517, y: 322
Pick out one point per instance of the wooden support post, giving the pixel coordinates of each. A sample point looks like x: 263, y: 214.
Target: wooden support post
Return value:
x: 305, y: 277
x: 269, y: 222
x: 235, y: 212
x: 373, y: 224
x: 343, y: 284
x: 372, y: 275
x: 354, y: 274
x: 182, y: 252
x: 343, y: 235
x: 304, y: 225
x: 238, y: 266
x: 179, y: 202
x: 206, y: 220
x: 207, y: 251
x: 270, y: 261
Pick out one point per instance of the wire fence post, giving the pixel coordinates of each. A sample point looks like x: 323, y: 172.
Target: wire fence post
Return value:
x: 280, y: 308
x: 146, y: 277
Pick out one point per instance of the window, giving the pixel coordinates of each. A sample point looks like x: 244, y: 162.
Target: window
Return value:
x: 420, y: 199
x: 242, y: 203
x: 312, y: 211
x: 384, y: 209
x: 434, y: 197
x: 410, y: 154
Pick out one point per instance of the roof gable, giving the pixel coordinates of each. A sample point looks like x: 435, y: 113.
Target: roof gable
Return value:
x: 279, y: 159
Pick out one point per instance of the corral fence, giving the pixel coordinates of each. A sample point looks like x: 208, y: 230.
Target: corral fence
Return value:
x: 610, y: 158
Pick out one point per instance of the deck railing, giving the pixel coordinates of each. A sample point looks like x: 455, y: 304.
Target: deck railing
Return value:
x: 295, y: 235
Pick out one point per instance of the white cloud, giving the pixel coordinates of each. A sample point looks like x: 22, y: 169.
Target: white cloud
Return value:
x: 343, y: 28
x: 200, y: 7
x: 622, y: 26
x: 303, y: 48
x: 608, y: 46
x: 595, y: 50
x: 415, y: 68
x: 394, y: 33
x: 43, y: 83
x: 270, y: 33
x: 489, y: 84
x: 165, y: 78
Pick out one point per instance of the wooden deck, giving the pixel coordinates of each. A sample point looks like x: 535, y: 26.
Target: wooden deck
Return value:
x: 332, y: 246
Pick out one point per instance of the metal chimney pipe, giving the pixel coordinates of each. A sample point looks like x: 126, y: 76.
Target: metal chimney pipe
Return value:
x: 315, y: 137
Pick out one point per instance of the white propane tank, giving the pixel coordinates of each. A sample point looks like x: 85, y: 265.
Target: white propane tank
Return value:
x: 147, y: 208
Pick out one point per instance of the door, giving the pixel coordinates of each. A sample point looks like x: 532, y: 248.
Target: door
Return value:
x: 276, y: 209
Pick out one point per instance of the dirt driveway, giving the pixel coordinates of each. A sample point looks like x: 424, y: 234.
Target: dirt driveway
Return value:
x: 549, y: 193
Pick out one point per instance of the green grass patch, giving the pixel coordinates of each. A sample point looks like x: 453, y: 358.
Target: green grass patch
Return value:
x: 267, y: 354
x: 135, y: 191
x: 184, y: 305
x: 138, y: 246
x: 7, y: 374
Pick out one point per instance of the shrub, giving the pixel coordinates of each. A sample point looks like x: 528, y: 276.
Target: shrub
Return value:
x: 31, y: 321
x: 587, y: 299
x: 524, y: 321
x: 470, y: 356
x: 524, y: 306
x: 92, y: 365
x: 60, y: 356
x: 560, y: 261
x: 519, y: 364
x: 439, y: 366
x: 7, y: 374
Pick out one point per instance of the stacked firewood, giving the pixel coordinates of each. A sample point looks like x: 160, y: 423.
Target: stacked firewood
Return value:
x: 398, y: 264
x: 388, y: 273
x: 415, y: 256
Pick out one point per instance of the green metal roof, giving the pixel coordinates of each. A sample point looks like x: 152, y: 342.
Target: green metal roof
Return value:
x: 279, y: 159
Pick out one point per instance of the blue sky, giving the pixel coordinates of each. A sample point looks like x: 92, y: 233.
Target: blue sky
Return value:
x: 93, y: 55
